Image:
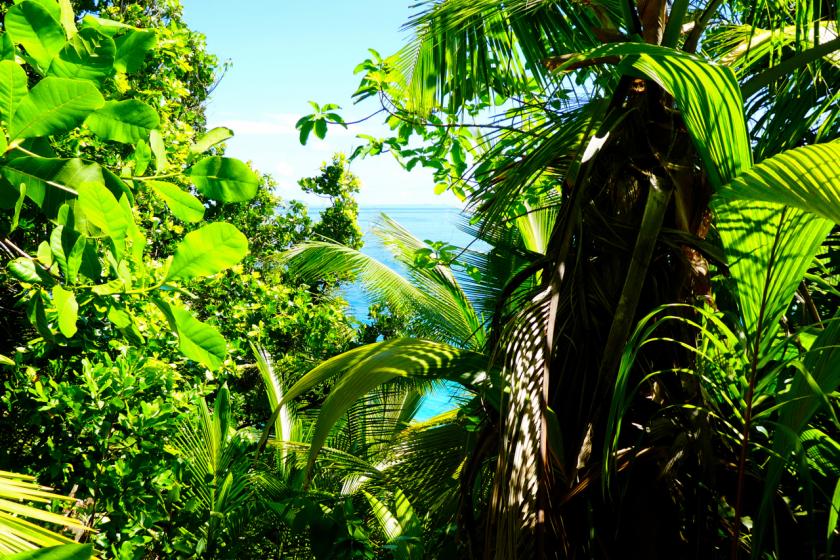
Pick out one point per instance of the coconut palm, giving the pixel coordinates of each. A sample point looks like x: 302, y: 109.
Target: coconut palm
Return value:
x: 646, y: 150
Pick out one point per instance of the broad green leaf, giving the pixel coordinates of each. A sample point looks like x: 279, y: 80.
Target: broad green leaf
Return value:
x: 132, y: 49
x: 123, y: 121
x: 109, y: 27
x: 31, y: 25
x: 89, y: 55
x: 51, y: 6
x: 103, y: 210
x: 7, y: 48
x: 210, y: 139
x: 768, y: 248
x: 50, y: 182
x: 68, y: 311
x: 208, y: 250
x: 807, y: 178
x: 182, y: 204
x: 24, y: 270
x: 199, y: 341
x: 13, y: 88
x: 67, y: 18
x: 54, y: 105
x: 142, y: 158
x: 68, y: 247
x: 224, y: 179
x: 158, y: 150
x: 62, y: 552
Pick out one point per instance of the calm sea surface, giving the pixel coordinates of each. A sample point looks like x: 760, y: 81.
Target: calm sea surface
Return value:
x: 426, y: 223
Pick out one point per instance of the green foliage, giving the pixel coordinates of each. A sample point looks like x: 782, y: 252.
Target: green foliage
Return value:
x: 338, y: 185
x: 122, y: 239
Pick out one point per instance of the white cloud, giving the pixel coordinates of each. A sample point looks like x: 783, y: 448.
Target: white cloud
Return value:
x: 277, y: 124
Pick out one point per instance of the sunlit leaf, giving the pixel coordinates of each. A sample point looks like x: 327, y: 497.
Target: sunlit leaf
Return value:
x: 807, y: 178
x: 208, y: 250
x: 182, y: 204
x: 62, y: 552
x: 68, y: 311
x: 102, y: 209
x: 224, y: 179
x: 13, y: 88
x: 89, y: 55
x: 132, y: 49
x: 126, y: 121
x: 210, y: 139
x: 31, y: 25
x: 54, y: 105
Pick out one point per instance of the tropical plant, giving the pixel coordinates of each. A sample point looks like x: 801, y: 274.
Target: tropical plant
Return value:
x: 17, y: 533
x: 645, y: 151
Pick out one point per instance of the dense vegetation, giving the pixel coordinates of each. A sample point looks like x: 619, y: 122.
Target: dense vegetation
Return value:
x: 647, y: 344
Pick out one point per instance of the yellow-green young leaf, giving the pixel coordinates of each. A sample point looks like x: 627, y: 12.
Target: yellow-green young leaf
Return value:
x: 68, y: 311
x: 182, y: 204
x: 224, y: 179
x: 54, y: 105
x: 31, y: 25
x: 208, y: 250
x: 199, y: 341
x: 123, y: 121
x: 61, y: 552
x: 89, y: 55
x: 132, y: 48
x: 13, y: 88
x: 807, y: 178
x: 213, y: 137
x: 158, y: 150
x: 102, y: 210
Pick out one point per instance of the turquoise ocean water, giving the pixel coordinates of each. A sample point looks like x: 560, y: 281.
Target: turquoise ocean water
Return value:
x: 432, y: 223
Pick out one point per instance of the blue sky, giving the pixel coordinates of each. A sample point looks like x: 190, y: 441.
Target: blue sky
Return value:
x: 285, y: 53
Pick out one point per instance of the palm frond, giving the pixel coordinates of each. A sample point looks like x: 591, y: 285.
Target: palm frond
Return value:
x: 17, y: 532
x: 440, y: 308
